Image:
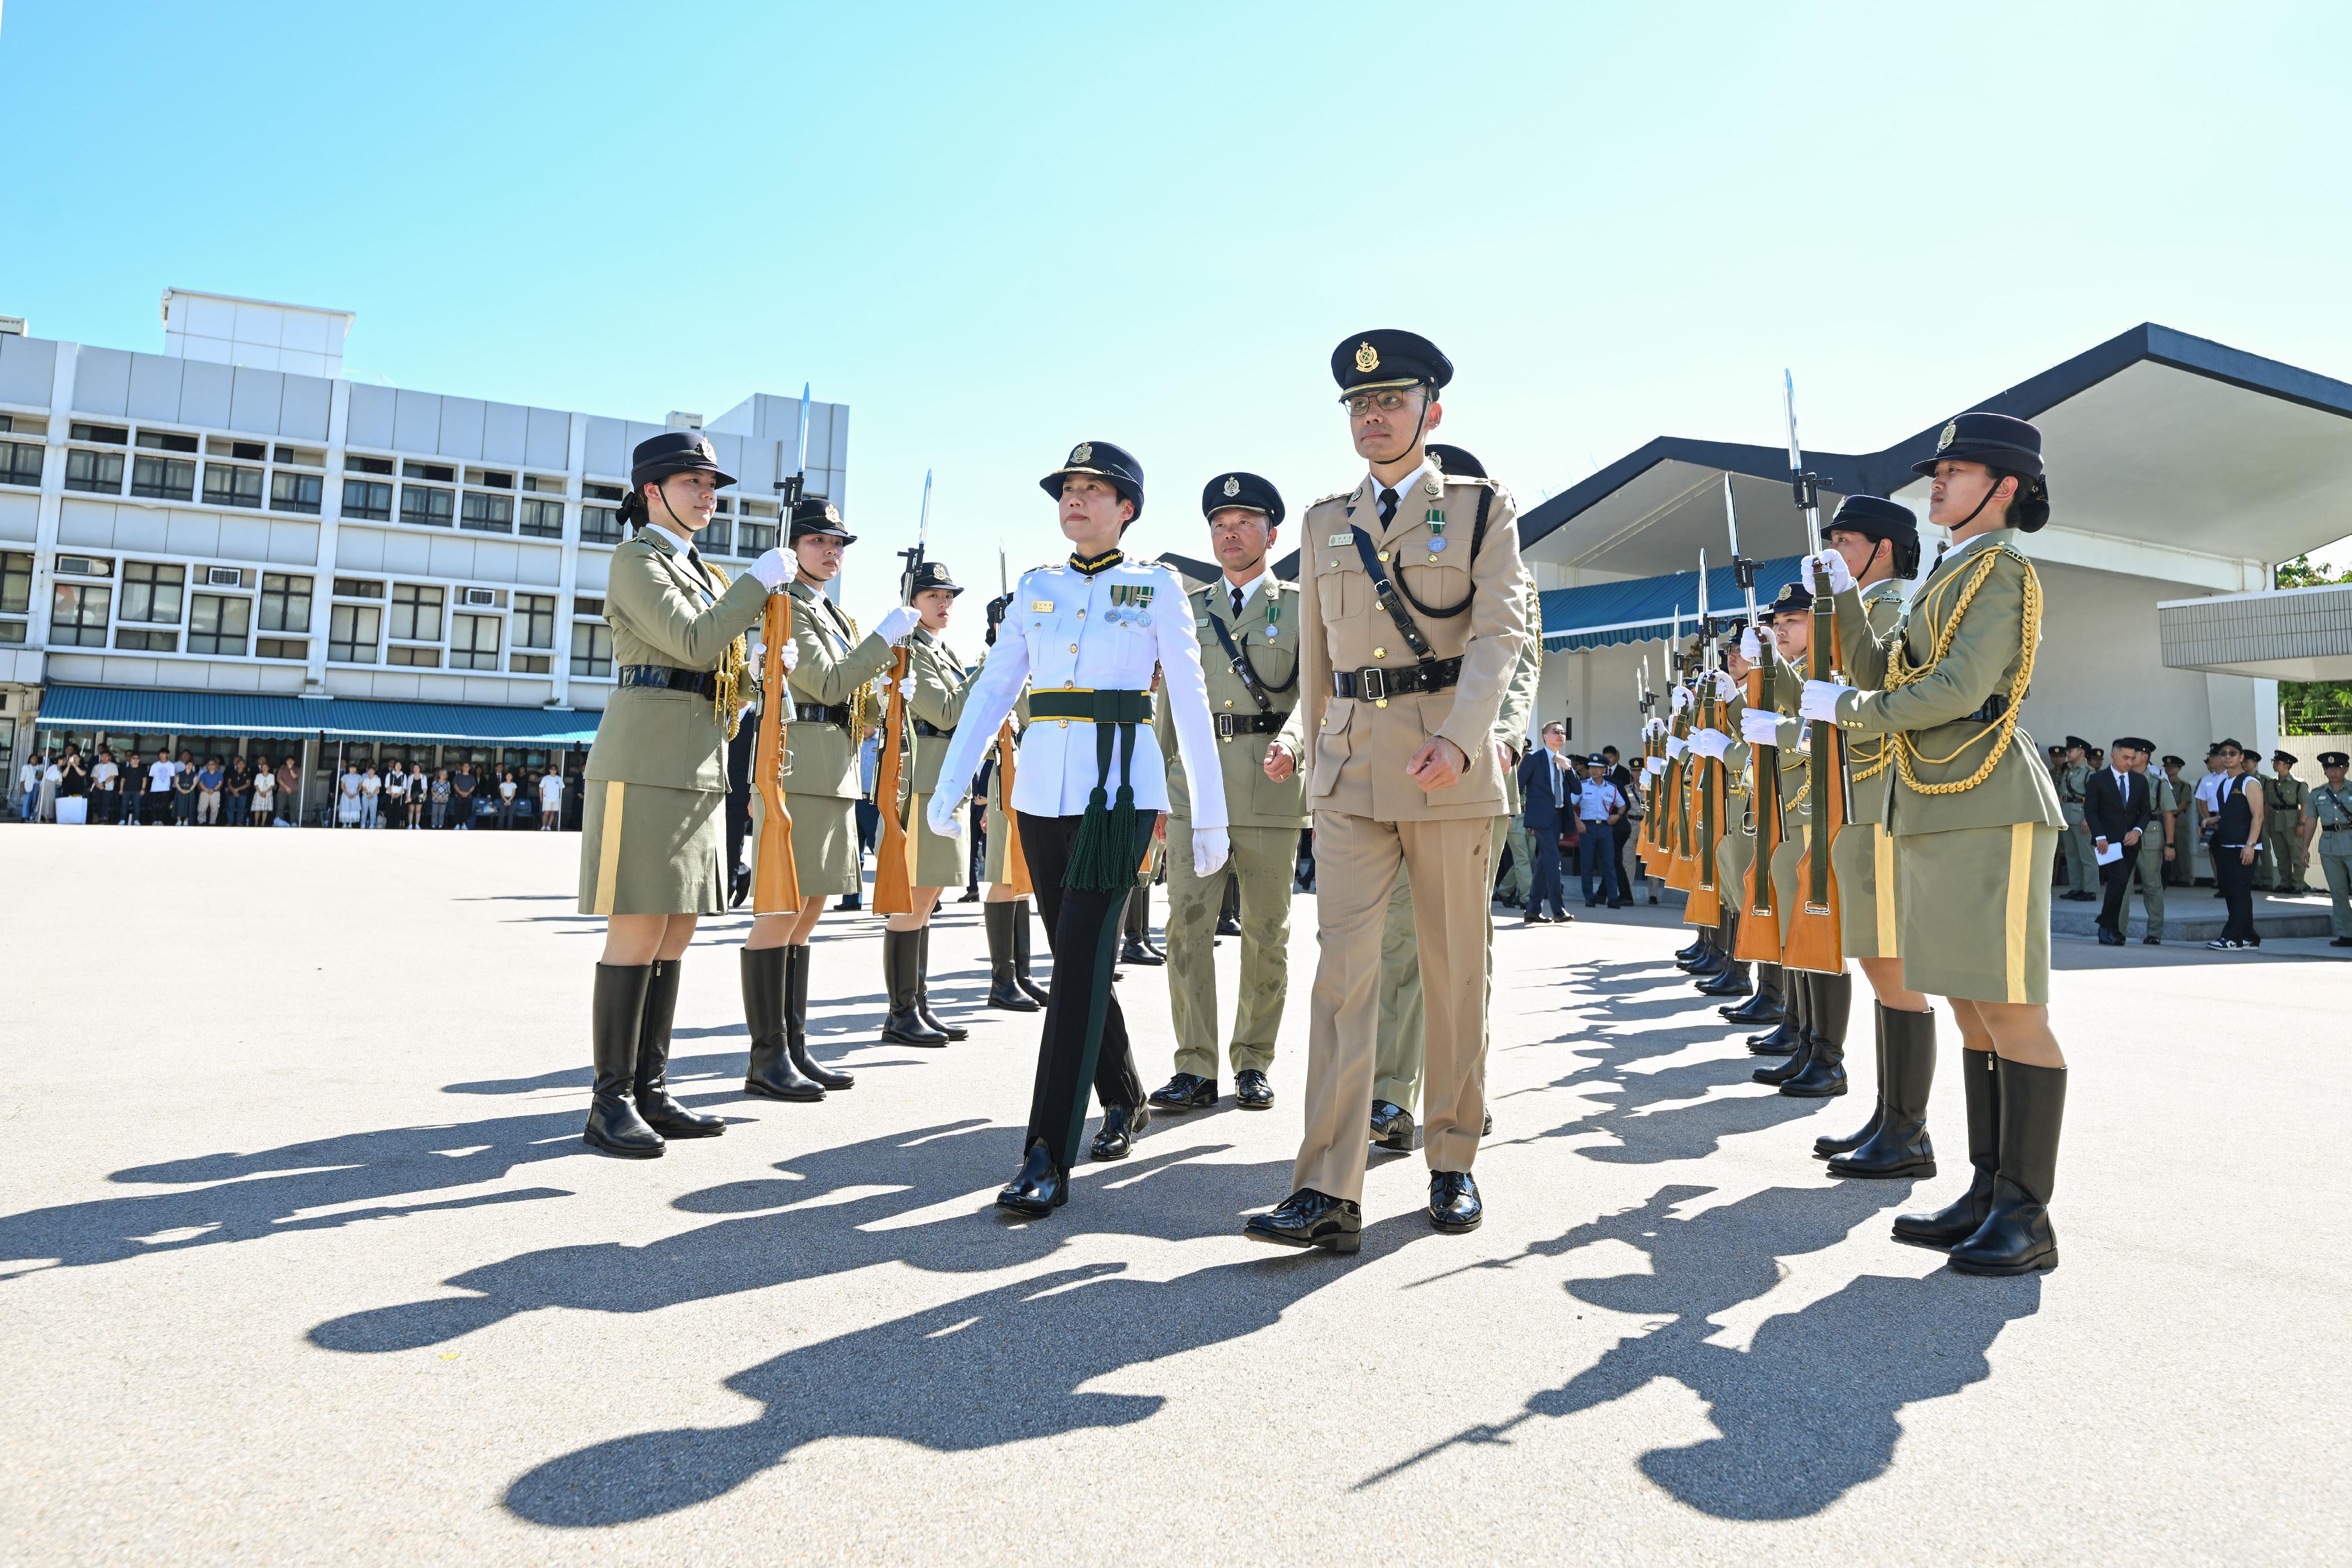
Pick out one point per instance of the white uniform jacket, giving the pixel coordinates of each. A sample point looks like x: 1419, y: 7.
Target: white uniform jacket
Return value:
x: 1068, y: 630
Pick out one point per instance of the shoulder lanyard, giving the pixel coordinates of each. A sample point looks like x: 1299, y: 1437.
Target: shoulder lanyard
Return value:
x: 1247, y: 670
x: 1385, y: 591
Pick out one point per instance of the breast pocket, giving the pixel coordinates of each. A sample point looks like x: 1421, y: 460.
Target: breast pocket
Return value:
x: 1440, y: 587
x: 1343, y: 590
x: 1333, y: 744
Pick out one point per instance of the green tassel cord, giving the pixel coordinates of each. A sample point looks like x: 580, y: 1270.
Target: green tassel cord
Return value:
x: 1109, y: 843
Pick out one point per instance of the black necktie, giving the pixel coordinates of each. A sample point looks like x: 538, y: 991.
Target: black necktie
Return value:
x: 1238, y: 606
x: 1388, y: 508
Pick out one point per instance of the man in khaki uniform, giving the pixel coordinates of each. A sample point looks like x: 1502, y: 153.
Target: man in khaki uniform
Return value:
x: 2082, y: 867
x: 2330, y: 806
x: 2284, y: 829
x: 1417, y: 627
x: 1247, y: 621
x: 2180, y: 829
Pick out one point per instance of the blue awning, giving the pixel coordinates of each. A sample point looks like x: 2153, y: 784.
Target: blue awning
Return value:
x: 1642, y: 609
x: 125, y: 709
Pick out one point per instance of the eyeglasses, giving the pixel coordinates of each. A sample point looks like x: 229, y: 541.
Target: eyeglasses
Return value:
x: 1388, y: 401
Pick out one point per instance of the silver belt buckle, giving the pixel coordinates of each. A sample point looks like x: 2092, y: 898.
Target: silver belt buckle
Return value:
x: 1372, y: 686
x: 1224, y: 726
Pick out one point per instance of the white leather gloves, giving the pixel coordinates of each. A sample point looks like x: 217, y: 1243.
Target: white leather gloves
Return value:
x: 1676, y: 745
x: 1654, y: 725
x: 1682, y: 698
x: 1711, y: 743
x: 1760, y: 727
x: 896, y: 623
x: 774, y: 570
x: 1726, y: 688
x: 907, y: 689
x: 1655, y: 766
x: 944, y: 815
x: 1828, y: 561
x: 1750, y: 649
x: 1210, y: 847
x: 1820, y: 701
x: 792, y: 656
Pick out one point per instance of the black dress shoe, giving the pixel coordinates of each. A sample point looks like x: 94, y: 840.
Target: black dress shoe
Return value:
x: 1310, y: 1218
x: 2158, y: 941
x: 1534, y: 917
x: 2333, y: 942
x: 1777, y: 1041
x: 1454, y: 1206
x: 739, y: 887
x: 1730, y: 981
x: 1252, y: 1092
x: 2108, y: 938
x: 1137, y: 953
x: 1392, y: 1126
x: 1041, y: 1187
x: 1121, y: 1125
x: 1228, y: 927
x: 1185, y: 1091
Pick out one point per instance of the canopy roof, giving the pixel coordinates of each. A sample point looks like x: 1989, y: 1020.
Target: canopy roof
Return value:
x: 130, y: 709
x: 1642, y: 609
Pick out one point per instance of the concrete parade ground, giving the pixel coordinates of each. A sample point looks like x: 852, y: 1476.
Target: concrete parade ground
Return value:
x: 301, y: 1258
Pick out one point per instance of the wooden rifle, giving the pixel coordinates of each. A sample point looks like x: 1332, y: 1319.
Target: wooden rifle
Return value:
x: 894, y: 860
x: 1815, y: 943
x: 776, y: 876
x: 1706, y: 906
x: 1759, y: 940
x: 1016, y: 867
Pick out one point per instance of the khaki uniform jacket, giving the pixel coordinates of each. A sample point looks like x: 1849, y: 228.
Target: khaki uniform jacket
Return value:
x: 821, y: 758
x: 665, y: 611
x: 1252, y: 799
x: 1867, y: 761
x: 941, y: 684
x: 1988, y: 646
x: 1356, y: 763
x: 2286, y: 798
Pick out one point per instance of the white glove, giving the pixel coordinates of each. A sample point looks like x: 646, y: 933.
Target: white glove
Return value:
x: 1653, y: 726
x: 1711, y: 743
x: 1676, y: 746
x: 1828, y: 561
x: 792, y: 656
x: 1655, y: 766
x: 1760, y: 727
x: 1726, y: 688
x: 1822, y: 700
x: 895, y: 625
x: 1749, y: 648
x: 907, y: 689
x: 757, y: 657
x: 945, y: 815
x: 1210, y: 847
x: 1682, y: 698
x: 774, y: 570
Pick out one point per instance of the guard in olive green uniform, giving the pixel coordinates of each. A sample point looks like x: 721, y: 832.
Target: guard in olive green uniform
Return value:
x: 2330, y: 805
x: 933, y: 694
x: 1974, y: 816
x: 1417, y: 628
x: 1774, y: 1002
x: 652, y: 835
x: 1247, y: 621
x: 2082, y: 866
x: 2283, y: 865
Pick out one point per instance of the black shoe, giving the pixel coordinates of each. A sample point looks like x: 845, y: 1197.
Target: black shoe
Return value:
x: 768, y: 974
x: 1140, y: 953
x: 849, y: 900
x: 1617, y: 902
x: 923, y: 990
x: 1955, y: 1223
x: 1308, y: 1219
x: 796, y: 974
x: 1563, y: 918
x: 2333, y: 942
x: 1683, y: 954
x: 1764, y: 1006
x: 1392, y: 1126
x: 971, y: 895
x: 614, y: 1016
x: 2108, y: 938
x: 904, y: 1025
x: 1487, y: 1129
x: 1185, y: 1091
x: 1454, y: 1206
x: 1020, y: 921
x: 1730, y: 981
x: 1783, y: 1072
x: 739, y: 886
x: 1228, y: 927
x: 1252, y: 1092
x: 662, y: 1113
x: 1823, y: 1074
x: 1906, y: 1069
x: 1777, y: 1041
x: 1041, y: 1187
x: 2016, y: 1237
x: 1121, y: 1125
x: 2158, y: 941
x: 1534, y: 917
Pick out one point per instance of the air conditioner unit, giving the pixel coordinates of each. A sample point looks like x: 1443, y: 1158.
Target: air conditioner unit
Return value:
x: 480, y: 598
x: 83, y: 566
x: 223, y: 576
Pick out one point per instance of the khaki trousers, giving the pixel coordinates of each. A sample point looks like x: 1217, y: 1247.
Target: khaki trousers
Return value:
x: 1267, y: 861
x: 1397, y: 1057
x: 1451, y: 867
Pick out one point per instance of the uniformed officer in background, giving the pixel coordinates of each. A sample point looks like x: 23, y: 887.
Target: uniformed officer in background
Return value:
x: 2081, y: 865
x: 2330, y: 806
x: 1247, y: 624
x: 2178, y: 868
x: 933, y: 690
x: 1402, y: 672
x: 652, y: 833
x: 2284, y: 830
x: 2153, y: 857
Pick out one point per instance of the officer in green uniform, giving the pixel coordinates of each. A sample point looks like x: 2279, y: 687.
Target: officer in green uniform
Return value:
x: 2153, y: 858
x: 1974, y: 819
x: 2178, y: 826
x: 1247, y: 623
x: 2082, y: 866
x: 2330, y: 807
x: 2283, y: 833
x: 832, y: 670
x: 653, y: 830
x: 934, y: 692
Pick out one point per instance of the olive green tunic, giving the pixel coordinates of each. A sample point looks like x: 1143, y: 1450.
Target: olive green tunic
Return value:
x: 1863, y: 855
x: 820, y: 783
x: 941, y: 684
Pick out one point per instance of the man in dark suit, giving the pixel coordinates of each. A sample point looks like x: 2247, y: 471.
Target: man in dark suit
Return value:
x: 1548, y: 791
x: 2115, y: 807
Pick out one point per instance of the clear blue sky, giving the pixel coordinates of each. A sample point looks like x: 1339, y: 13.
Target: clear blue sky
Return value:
x: 994, y: 231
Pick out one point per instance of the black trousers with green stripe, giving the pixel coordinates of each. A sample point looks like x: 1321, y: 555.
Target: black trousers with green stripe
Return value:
x: 1086, y: 1038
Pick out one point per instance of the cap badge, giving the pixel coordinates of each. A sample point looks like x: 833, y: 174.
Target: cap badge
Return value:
x: 1233, y: 486
x: 1083, y: 451
x: 832, y: 514
x: 1368, y: 359
x: 1952, y: 434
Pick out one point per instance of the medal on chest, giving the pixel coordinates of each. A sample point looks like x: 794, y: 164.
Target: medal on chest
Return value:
x: 1129, y: 605
x: 1436, y: 521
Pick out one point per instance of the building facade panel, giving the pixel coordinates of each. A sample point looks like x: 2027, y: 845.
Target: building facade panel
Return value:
x: 206, y: 394
x: 156, y: 388
x: 505, y: 427
x: 28, y: 367
x: 461, y: 428
x: 548, y: 440
x: 369, y: 420
x: 306, y: 408
x: 416, y: 422
x: 254, y: 399
x: 102, y: 382
x: 20, y: 516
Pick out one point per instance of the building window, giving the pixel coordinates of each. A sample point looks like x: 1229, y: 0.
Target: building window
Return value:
x: 367, y: 500
x: 754, y: 538
x: 416, y: 612
x: 358, y: 588
x: 542, y: 519
x: 130, y: 640
x: 487, y: 514
x: 219, y: 624
x: 592, y: 650
x: 164, y: 478
x: 296, y: 492
x: 15, y: 583
x: 473, y: 641
x: 226, y: 486
x: 353, y: 631
x: 281, y: 648
x: 100, y: 473
x: 354, y: 463
x: 151, y: 590
x: 600, y: 526
x: 440, y: 472
x: 414, y: 658
x: 77, y: 614
x: 426, y: 506
x: 103, y: 435
x: 285, y: 602
x: 300, y: 456
x: 20, y: 463
x: 718, y: 538
x: 534, y: 621
x: 12, y: 632
x: 531, y: 665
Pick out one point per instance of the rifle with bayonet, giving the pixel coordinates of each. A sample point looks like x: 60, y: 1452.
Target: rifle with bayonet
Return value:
x: 1815, y: 943
x: 1016, y: 867
x: 1706, y: 906
x: 776, y: 878
x: 894, y: 857
x: 1758, y: 938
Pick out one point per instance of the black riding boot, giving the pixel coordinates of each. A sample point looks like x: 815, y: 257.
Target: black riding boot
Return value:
x: 767, y: 983
x: 1826, y: 1146
x: 1898, y: 1146
x: 923, y: 990
x: 1731, y: 979
x: 1021, y: 976
x: 1706, y: 960
x: 1948, y: 1227
x: 2017, y: 1237
x: 1788, y: 1034
x: 1685, y: 954
x: 614, y: 1016
x: 901, y: 952
x: 1809, y: 998
x: 662, y: 1113
x: 1824, y: 1071
x: 1004, y: 984
x: 796, y: 974
x: 1764, y: 1007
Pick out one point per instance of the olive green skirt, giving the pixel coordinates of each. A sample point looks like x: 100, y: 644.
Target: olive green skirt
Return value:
x: 825, y: 842
x: 939, y: 863
x: 644, y: 849
x: 1972, y: 911
x: 1863, y: 859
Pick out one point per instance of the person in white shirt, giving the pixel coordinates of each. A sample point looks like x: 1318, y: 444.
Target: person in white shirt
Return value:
x: 371, y: 791
x: 105, y: 785
x: 264, y: 796
x: 348, y: 790
x: 508, y: 790
x: 28, y: 787
x: 1599, y: 807
x: 551, y: 801
x: 160, y: 774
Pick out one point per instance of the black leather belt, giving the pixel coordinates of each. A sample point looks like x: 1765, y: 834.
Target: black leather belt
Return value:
x: 931, y: 731
x: 1374, y: 685
x: 1230, y: 724
x: 820, y: 713
x: 1106, y: 706
x: 702, y: 683
x: 1994, y: 706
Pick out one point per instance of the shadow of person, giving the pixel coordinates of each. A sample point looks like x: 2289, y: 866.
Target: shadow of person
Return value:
x: 1669, y: 1115
x: 832, y: 1211
x: 1001, y: 1367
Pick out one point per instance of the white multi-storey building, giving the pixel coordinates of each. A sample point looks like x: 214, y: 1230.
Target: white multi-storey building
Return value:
x: 229, y: 544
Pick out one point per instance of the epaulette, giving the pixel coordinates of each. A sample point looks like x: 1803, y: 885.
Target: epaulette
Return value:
x: 1492, y: 483
x: 1335, y: 496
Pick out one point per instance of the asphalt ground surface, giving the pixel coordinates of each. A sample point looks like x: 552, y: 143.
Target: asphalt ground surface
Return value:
x: 301, y: 1258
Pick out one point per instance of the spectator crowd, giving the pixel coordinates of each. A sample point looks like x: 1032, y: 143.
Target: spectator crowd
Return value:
x: 130, y: 790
